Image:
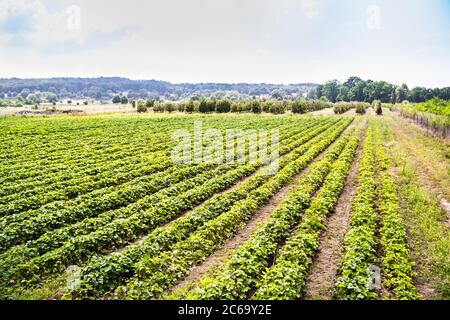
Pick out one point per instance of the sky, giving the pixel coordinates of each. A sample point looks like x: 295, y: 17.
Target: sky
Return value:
x: 270, y: 41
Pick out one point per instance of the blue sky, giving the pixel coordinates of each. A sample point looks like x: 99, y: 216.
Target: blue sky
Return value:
x: 278, y: 41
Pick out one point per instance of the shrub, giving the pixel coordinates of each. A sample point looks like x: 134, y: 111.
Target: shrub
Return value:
x: 360, y: 108
x: 169, y: 107
x: 223, y: 106
x: 376, y: 104
x: 299, y: 106
x: 235, y: 107
x: 124, y: 100
x: 116, y: 99
x: 255, y: 106
x: 190, y: 107
x: 277, y: 108
x: 181, y: 107
x: 141, y: 107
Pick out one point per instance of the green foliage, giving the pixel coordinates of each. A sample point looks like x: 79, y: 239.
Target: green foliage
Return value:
x: 243, y: 268
x: 360, y: 241
x: 361, y: 108
x: 149, y: 103
x: 286, y: 280
x: 255, y: 106
x: 141, y: 107
x: 377, y: 106
x: 190, y: 107
x: 124, y: 100
x: 343, y: 107
x: 106, y: 273
x: 223, y: 106
x: 116, y: 99
x: 398, y: 268
x: 433, y: 114
x: 299, y: 106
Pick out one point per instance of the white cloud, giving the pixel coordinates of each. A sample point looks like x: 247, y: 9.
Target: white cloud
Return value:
x: 311, y: 8
x: 29, y: 23
x: 225, y: 40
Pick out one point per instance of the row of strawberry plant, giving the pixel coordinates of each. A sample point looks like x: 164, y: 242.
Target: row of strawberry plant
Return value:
x: 120, y: 231
x: 142, y: 204
x: 70, y: 188
x: 360, y: 242
x: 397, y: 264
x: 31, y: 224
x: 245, y: 266
x: 107, y: 272
x: 89, y: 164
x: 130, y: 226
x: 158, y: 131
x: 51, y: 163
x: 103, y: 192
x: 155, y: 274
x: 65, y: 191
x: 88, y: 156
x: 126, y: 159
x: 286, y: 280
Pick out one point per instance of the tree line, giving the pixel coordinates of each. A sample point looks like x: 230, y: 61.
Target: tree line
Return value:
x: 357, y: 89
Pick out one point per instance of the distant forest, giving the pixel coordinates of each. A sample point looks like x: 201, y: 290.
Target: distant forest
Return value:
x: 55, y: 89
x: 105, y: 89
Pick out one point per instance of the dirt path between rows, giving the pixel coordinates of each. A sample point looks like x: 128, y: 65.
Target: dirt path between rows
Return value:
x: 322, y: 276
x: 217, y: 259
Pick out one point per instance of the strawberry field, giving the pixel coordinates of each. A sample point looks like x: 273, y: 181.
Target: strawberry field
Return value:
x: 95, y: 207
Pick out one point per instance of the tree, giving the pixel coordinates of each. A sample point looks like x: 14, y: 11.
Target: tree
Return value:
x: 318, y: 91
x: 190, y: 107
x: 420, y: 94
x: 255, y: 106
x: 356, y: 92
x: 141, y: 107
x: 51, y: 97
x: 223, y: 106
x: 203, y: 106
x: 330, y: 90
x: 401, y: 93
x: 117, y: 99
x: 25, y: 92
x: 342, y: 93
x: 124, y: 100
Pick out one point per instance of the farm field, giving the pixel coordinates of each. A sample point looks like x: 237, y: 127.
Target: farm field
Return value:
x: 94, y: 207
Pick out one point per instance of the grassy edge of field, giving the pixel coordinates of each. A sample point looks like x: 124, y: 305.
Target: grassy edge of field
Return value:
x: 429, y: 234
